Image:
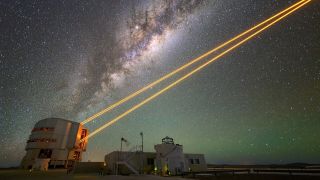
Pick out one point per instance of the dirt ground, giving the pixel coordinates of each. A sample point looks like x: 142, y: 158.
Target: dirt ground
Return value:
x: 259, y: 177
x: 18, y: 174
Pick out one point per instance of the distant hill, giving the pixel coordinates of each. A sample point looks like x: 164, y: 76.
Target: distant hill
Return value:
x: 290, y: 165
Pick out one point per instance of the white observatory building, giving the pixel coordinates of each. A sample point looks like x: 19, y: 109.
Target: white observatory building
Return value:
x: 170, y: 157
x: 54, y: 142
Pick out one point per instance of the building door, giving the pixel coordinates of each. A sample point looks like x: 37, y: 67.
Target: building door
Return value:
x: 182, y: 167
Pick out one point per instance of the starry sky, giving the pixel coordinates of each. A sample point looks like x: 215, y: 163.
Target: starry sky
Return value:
x: 69, y: 59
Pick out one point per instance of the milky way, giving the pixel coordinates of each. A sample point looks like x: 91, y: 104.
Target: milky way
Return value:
x: 70, y: 59
x: 146, y: 25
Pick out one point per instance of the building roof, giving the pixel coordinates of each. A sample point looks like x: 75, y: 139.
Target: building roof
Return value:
x: 55, y: 119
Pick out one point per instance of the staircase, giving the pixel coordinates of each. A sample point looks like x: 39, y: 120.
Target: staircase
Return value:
x: 125, y: 158
x: 129, y: 166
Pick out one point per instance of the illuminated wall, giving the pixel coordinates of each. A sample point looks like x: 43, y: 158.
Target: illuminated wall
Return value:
x: 55, y: 139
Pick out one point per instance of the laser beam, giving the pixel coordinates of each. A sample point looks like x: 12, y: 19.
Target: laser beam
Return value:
x: 109, y: 108
x: 190, y: 73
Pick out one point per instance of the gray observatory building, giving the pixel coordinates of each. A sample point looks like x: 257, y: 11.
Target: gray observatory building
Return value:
x: 54, y: 142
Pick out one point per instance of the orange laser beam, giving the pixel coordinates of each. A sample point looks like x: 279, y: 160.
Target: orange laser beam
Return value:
x: 184, y: 66
x: 190, y: 73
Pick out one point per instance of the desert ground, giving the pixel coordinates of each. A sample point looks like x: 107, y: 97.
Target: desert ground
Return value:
x: 18, y: 174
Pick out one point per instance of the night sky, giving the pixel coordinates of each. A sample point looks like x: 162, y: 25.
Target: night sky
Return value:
x: 70, y: 59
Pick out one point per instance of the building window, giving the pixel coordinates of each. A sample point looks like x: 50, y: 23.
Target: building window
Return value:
x: 196, y: 161
x: 83, y: 133
x: 82, y: 144
x: 45, y: 153
x: 191, y: 161
x: 150, y: 161
x: 76, y: 155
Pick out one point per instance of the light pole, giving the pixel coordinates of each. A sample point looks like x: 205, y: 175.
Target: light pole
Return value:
x: 122, y: 139
x: 120, y: 155
x: 141, y: 170
x: 141, y: 134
